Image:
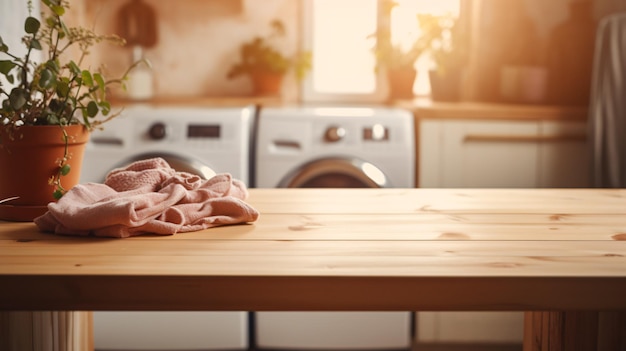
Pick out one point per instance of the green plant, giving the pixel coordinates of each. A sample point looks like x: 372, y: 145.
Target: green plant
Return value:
x: 261, y: 55
x: 55, y: 91
x: 450, y: 49
x: 395, y: 56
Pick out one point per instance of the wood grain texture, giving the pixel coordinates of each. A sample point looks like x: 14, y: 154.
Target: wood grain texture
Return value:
x: 46, y: 331
x: 345, y: 249
x: 574, y: 331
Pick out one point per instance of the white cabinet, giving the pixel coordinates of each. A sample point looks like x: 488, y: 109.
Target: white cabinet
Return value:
x: 502, y: 154
x: 564, y: 157
x: 170, y: 330
x: 470, y: 327
x: 459, y: 153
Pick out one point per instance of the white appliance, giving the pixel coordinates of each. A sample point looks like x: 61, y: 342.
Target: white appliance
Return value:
x: 302, y: 146
x: 190, y: 139
x: 195, y: 140
x: 332, y: 146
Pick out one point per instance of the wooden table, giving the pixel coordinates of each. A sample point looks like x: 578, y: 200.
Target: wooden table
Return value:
x: 560, y: 253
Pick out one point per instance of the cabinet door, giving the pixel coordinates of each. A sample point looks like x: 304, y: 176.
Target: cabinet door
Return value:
x: 485, y: 154
x: 478, y: 154
x: 429, y: 148
x: 564, y: 155
x: 470, y: 327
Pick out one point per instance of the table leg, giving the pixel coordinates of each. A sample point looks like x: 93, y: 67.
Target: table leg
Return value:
x: 46, y: 331
x: 574, y: 331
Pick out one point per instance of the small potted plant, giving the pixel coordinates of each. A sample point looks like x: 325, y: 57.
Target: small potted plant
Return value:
x: 449, y: 54
x: 266, y: 65
x: 47, y: 111
x: 398, y: 61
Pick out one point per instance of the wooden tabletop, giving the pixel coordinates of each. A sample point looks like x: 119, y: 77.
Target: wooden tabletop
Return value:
x: 344, y: 249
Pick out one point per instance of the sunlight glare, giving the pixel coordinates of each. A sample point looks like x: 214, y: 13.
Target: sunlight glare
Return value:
x: 343, y: 55
x: 405, y: 30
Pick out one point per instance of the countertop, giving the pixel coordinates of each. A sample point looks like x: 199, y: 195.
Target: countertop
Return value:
x: 344, y: 249
x: 559, y: 254
x: 427, y: 109
x: 422, y: 107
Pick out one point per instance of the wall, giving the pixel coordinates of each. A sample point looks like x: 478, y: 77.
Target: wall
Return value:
x: 517, y: 32
x: 197, y: 41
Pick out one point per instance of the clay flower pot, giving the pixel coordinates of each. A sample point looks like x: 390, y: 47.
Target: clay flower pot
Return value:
x: 401, y: 82
x: 29, y: 161
x: 266, y: 83
x: 446, y: 86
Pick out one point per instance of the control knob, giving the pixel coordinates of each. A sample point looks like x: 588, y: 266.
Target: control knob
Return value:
x: 157, y: 131
x: 334, y: 134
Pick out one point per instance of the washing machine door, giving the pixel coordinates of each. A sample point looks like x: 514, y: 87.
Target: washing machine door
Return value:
x: 179, y: 162
x: 336, y: 172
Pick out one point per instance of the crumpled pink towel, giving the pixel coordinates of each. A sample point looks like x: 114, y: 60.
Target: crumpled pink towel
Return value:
x: 148, y: 196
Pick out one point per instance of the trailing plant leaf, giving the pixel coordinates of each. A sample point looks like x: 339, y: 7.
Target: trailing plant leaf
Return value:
x: 74, y: 68
x: 58, y: 10
x: 46, y: 79
x: 105, y: 107
x: 17, y: 98
x: 92, y: 109
x: 65, y: 169
x: 3, y: 46
x: 6, y: 66
x: 31, y: 25
x: 57, y: 194
x: 63, y: 87
x: 86, y: 78
x: 35, y: 44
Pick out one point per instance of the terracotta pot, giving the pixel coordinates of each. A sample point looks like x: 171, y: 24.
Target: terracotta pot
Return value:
x: 266, y: 83
x: 28, y: 162
x: 446, y: 86
x: 401, y: 83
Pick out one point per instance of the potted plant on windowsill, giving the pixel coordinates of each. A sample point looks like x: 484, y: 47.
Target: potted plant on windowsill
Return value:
x: 47, y: 111
x: 398, y: 62
x: 266, y: 65
x: 449, y: 53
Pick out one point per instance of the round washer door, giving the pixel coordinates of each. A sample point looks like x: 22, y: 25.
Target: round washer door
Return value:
x: 336, y: 173
x: 178, y: 162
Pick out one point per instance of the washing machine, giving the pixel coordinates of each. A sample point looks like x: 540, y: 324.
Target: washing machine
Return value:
x: 316, y: 146
x: 191, y: 139
x: 195, y: 140
x: 304, y: 146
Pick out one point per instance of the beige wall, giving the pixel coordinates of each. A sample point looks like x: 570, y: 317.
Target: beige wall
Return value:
x: 197, y: 42
x: 198, y: 39
x: 517, y: 32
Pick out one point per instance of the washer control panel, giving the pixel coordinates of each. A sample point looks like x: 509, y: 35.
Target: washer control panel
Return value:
x: 376, y: 132
x: 334, y: 134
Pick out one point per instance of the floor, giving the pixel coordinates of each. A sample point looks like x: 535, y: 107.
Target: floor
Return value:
x: 433, y: 347
x: 467, y: 347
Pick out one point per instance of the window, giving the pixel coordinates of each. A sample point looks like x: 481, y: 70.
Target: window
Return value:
x: 340, y: 33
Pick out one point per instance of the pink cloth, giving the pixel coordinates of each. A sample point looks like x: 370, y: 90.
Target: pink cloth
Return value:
x: 148, y: 196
